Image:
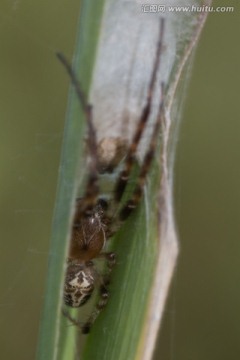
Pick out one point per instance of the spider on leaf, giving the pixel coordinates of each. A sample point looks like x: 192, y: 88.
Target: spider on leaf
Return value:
x: 93, y: 224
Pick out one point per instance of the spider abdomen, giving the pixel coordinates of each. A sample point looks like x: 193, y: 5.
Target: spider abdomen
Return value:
x: 79, y: 284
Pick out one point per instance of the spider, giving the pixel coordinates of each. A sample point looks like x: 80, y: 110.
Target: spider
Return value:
x: 93, y: 225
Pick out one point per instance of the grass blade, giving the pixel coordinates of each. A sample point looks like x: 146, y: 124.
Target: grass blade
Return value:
x: 119, y: 40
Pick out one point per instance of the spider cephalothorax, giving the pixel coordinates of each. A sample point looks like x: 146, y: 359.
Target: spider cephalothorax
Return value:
x: 93, y: 223
x: 88, y: 233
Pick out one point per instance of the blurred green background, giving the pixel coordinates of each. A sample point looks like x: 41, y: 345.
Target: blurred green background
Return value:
x: 202, y: 319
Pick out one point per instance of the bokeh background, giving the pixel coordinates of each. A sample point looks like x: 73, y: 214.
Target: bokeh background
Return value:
x: 202, y: 319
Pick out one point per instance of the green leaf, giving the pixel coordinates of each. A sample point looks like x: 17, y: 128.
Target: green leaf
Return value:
x: 55, y: 341
x: 114, y: 58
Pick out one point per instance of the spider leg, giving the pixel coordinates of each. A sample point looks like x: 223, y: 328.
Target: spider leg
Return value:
x: 102, y: 302
x: 111, y: 261
x: 131, y: 155
x: 92, y: 188
x: 103, y: 292
x: 148, y: 158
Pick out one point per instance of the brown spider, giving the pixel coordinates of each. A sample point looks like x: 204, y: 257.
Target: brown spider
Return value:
x: 92, y: 224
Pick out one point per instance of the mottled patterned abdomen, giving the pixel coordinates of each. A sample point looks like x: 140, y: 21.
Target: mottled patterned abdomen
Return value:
x: 79, y: 284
